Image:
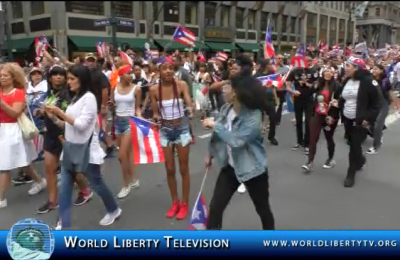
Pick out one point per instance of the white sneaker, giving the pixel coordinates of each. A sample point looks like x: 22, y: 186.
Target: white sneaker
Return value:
x: 110, y: 218
x: 372, y: 150
x: 58, y: 227
x: 242, y: 188
x: 37, y: 187
x: 135, y: 184
x: 3, y: 203
x: 124, y: 192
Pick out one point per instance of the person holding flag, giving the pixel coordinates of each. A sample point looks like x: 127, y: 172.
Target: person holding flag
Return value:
x: 125, y: 101
x: 237, y: 147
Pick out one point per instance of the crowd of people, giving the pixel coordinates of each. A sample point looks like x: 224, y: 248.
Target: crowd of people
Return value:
x: 70, y: 103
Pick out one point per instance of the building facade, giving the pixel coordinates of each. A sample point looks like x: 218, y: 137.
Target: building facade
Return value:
x: 380, y: 23
x: 218, y: 25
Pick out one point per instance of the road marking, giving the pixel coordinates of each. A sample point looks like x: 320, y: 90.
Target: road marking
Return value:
x: 205, y: 136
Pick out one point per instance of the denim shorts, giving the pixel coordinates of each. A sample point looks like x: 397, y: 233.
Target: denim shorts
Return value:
x: 122, y: 125
x: 172, y: 134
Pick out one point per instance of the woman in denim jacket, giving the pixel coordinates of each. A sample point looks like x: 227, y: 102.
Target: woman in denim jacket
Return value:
x: 237, y: 147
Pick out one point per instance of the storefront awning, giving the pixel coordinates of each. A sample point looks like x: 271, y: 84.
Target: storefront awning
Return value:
x: 221, y: 46
x: 88, y: 43
x: 19, y: 45
x: 249, y: 47
x: 174, y: 45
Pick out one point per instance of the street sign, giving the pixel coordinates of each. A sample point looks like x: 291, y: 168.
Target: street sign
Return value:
x: 102, y: 22
x: 124, y: 22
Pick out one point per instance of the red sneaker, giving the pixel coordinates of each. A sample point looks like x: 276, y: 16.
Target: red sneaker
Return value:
x: 173, y: 210
x: 183, y: 211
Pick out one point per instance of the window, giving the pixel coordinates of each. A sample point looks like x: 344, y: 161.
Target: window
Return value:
x: 191, y: 12
x: 333, y: 24
x: 37, y: 7
x: 142, y: 10
x: 366, y: 13
x: 252, y: 20
x: 123, y: 9
x: 209, y: 16
x: 273, y: 22
x: 239, y: 17
x: 264, y: 21
x: 341, y: 25
x: 324, y: 22
x: 125, y: 29
x: 16, y: 7
x: 377, y: 11
x: 293, y: 25
x: 84, y: 24
x: 171, y: 11
x: 225, y: 14
x: 41, y: 24
x: 284, y: 23
x: 84, y: 7
x: 17, y: 28
x: 312, y: 20
x: 251, y: 36
x: 332, y: 5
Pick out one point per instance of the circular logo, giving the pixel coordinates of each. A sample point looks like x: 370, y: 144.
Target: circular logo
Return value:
x: 30, y: 239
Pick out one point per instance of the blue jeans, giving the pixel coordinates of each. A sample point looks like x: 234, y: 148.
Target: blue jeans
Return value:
x: 96, y: 182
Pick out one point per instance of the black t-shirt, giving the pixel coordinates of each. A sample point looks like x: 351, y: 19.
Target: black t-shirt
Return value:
x: 309, y: 75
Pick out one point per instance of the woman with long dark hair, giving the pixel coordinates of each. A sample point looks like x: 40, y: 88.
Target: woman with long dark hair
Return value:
x: 325, y: 116
x: 361, y: 103
x: 168, y: 99
x: 59, y: 96
x: 237, y: 146
x: 379, y: 74
x: 82, y: 152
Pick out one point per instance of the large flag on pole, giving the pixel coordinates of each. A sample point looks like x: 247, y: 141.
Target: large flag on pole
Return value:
x: 199, y: 218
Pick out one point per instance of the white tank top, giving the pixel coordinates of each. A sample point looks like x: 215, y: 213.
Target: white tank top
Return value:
x: 125, y: 103
x: 170, y: 109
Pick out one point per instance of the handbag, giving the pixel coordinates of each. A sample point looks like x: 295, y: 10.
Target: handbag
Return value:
x: 27, y: 126
x: 76, y: 156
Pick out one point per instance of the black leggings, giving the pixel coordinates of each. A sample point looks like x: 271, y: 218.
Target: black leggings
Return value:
x: 356, y: 136
x: 227, y: 185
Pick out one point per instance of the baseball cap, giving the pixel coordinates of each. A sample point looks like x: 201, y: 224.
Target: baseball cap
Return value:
x: 90, y: 56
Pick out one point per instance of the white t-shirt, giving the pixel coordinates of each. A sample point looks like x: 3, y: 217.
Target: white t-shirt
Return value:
x: 229, y: 120
x: 397, y: 70
x: 350, y: 93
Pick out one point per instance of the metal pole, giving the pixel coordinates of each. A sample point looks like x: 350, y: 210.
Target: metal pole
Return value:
x: 2, y: 33
x: 349, y: 23
x: 114, y: 28
x: 8, y: 32
x: 151, y: 34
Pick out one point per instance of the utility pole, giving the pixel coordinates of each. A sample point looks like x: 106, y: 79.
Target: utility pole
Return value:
x: 2, y: 27
x: 151, y: 29
x: 114, y: 28
x: 7, y: 29
x: 351, y: 9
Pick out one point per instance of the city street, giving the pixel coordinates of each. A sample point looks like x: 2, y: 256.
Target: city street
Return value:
x: 299, y: 202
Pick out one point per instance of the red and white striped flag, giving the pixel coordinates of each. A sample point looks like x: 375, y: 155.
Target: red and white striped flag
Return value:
x: 41, y: 44
x: 299, y: 61
x: 154, y: 54
x: 146, y: 142
x: 101, y: 49
x: 222, y: 56
x: 184, y: 36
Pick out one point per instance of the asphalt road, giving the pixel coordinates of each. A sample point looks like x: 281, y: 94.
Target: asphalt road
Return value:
x: 299, y: 202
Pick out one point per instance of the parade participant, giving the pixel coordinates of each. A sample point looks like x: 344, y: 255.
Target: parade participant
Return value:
x: 237, y: 147
x: 16, y: 151
x: 168, y: 99
x: 281, y: 69
x: 201, y: 82
x: 36, y: 94
x: 90, y: 60
x: 82, y: 152
x: 302, y: 79
x: 324, y: 116
x: 57, y: 95
x: 378, y: 73
x: 101, y: 82
x: 107, y: 69
x: 273, y: 101
x: 125, y: 101
x: 360, y: 103
x: 152, y: 77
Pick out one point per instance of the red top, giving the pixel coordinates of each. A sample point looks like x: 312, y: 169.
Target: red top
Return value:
x: 18, y: 95
x: 325, y: 106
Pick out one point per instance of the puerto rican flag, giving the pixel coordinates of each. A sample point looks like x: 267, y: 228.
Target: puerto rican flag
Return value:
x: 145, y: 142
x: 184, y: 36
x: 151, y: 54
x: 299, y: 62
x: 275, y: 80
x: 38, y: 143
x: 222, y: 56
x: 126, y: 57
x: 101, y: 49
x: 199, y: 217
x: 269, y: 51
x: 41, y: 44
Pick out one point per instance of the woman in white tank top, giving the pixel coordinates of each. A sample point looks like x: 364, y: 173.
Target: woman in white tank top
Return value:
x: 167, y: 100
x: 126, y: 99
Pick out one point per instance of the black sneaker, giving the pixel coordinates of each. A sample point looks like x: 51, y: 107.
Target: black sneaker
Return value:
x: 82, y: 199
x: 296, y: 147
x: 330, y: 163
x: 273, y: 141
x: 22, y: 179
x: 110, y: 152
x: 48, y: 206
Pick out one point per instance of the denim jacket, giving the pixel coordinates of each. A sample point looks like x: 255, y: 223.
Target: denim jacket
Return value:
x: 245, y: 141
